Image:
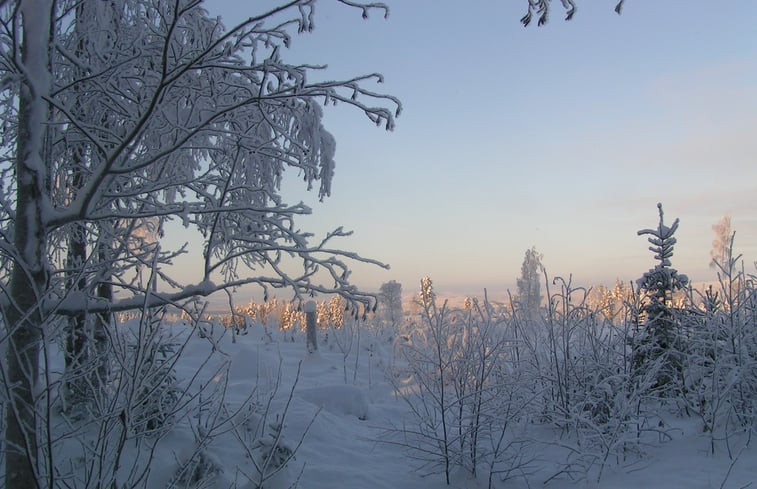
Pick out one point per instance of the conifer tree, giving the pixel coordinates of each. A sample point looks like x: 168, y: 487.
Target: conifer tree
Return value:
x: 658, y: 340
x: 529, y: 283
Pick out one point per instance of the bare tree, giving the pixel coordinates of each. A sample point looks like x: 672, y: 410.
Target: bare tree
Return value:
x: 169, y: 116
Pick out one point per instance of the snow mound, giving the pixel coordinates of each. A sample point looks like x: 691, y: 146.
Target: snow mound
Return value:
x: 252, y: 366
x: 345, y: 400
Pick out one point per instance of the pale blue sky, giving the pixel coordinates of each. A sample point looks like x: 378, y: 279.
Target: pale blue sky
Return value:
x: 563, y: 137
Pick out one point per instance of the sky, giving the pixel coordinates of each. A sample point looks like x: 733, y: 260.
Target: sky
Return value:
x: 563, y: 137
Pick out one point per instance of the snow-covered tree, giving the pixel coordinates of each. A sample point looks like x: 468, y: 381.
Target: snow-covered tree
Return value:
x: 123, y: 112
x: 529, y: 283
x: 722, y: 245
x: 659, y: 339
x: 390, y: 302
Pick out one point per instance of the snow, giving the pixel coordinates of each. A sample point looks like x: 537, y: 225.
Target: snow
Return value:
x: 338, y: 426
x: 342, y: 400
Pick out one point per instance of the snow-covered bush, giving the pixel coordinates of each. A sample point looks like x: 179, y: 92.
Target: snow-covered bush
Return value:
x: 157, y: 394
x: 271, y: 451
x: 721, y: 365
x: 429, y: 354
x: 197, y: 472
x: 260, y: 434
x: 577, y: 366
x: 454, y: 380
x: 115, y: 438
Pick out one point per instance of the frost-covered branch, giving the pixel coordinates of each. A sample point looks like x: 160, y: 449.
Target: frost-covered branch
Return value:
x: 196, y: 123
x: 121, y: 116
x: 542, y: 9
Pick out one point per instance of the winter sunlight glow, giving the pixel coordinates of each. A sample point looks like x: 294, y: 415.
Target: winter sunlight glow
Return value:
x: 560, y: 138
x: 343, y: 244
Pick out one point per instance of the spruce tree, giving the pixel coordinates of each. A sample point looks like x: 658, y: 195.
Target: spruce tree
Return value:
x: 529, y: 283
x: 658, y: 341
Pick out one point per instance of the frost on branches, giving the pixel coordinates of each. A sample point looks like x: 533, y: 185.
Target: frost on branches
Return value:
x: 120, y: 116
x: 659, y: 344
x: 542, y: 9
x: 390, y: 303
x: 529, y: 283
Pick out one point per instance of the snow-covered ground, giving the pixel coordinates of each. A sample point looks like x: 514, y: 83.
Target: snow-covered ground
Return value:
x: 338, y: 426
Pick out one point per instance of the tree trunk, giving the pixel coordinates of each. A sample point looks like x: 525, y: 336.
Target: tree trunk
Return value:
x: 76, y: 335
x: 29, y: 273
x: 27, y: 283
x: 310, y: 327
x: 102, y: 322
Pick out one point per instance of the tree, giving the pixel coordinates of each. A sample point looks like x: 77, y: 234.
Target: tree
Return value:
x: 390, y: 302
x: 725, y: 264
x: 659, y: 340
x: 529, y: 283
x: 121, y: 112
x: 311, y: 325
x: 722, y: 245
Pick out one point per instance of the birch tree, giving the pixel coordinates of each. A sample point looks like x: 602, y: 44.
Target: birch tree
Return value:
x: 722, y: 246
x: 121, y: 112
